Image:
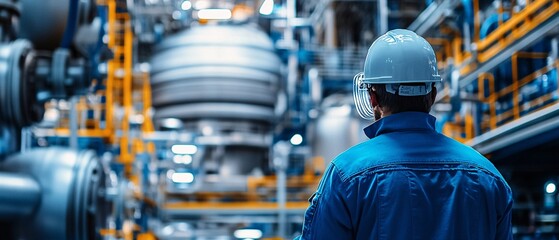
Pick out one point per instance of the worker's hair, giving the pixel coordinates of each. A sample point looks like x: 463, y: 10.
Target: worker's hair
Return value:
x: 395, y: 104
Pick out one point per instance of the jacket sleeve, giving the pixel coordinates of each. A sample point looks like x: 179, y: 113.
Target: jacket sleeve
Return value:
x: 504, y: 223
x: 328, y: 216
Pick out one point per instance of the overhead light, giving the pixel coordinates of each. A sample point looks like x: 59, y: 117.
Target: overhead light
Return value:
x: 186, y: 5
x: 550, y: 188
x: 184, y: 149
x: 167, y: 230
x: 144, y: 67
x: 170, y: 173
x: 182, y: 159
x: 297, y: 139
x: 202, y: 4
x: 248, y: 233
x: 172, y: 123
x: 207, y: 130
x: 177, y: 15
x: 214, y: 14
x: 267, y: 7
x: 182, y: 177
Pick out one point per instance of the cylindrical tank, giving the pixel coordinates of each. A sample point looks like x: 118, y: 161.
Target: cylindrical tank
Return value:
x: 49, y: 24
x: 222, y: 71
x: 19, y: 195
x: 72, y: 203
x: 220, y: 80
x: 337, y: 128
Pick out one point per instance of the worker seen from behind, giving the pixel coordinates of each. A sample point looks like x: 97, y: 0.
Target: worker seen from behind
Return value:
x: 408, y: 181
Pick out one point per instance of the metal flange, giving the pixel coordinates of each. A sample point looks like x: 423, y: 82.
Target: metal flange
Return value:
x: 17, y: 89
x: 72, y: 201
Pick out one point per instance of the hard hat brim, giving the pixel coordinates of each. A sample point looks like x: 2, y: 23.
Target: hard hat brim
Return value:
x: 391, y: 80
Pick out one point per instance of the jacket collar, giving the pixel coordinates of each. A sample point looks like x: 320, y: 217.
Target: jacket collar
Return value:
x: 401, y: 122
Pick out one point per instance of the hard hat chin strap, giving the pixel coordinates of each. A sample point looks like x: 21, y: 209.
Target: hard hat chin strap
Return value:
x: 408, y: 90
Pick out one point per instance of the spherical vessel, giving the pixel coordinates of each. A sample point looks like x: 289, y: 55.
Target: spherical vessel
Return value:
x: 217, y: 72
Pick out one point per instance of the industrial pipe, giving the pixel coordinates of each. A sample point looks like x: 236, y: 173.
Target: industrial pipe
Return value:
x: 72, y: 194
x: 19, y: 195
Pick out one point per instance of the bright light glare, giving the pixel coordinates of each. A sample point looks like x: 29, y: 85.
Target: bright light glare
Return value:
x: 172, y: 123
x: 167, y: 230
x: 182, y: 159
x: 267, y: 7
x: 202, y: 4
x: 182, y: 177
x: 170, y: 173
x: 341, y: 111
x: 207, y: 130
x: 296, y: 139
x: 550, y: 188
x: 247, y: 233
x: 214, y: 13
x: 186, y: 5
x: 184, y: 149
x: 176, y: 15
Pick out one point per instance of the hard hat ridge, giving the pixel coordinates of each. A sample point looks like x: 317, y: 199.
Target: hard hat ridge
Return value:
x: 400, y: 56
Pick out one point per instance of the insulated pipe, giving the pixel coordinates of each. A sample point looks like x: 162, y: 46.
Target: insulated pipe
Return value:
x: 45, y: 34
x: 72, y: 201
x: 19, y: 195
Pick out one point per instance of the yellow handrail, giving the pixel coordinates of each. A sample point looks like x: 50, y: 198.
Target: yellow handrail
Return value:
x: 517, y: 26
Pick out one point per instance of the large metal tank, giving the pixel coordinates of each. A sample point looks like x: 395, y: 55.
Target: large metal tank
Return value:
x: 222, y: 82
x: 223, y: 72
x: 337, y: 128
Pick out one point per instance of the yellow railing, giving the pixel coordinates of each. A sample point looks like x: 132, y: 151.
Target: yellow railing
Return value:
x: 517, y: 26
x: 508, y: 32
x: 513, y: 89
x: 444, y: 53
x: 535, y: 13
x: 111, y: 118
x: 123, y: 81
x: 119, y: 87
x: 491, y: 99
x: 462, y: 128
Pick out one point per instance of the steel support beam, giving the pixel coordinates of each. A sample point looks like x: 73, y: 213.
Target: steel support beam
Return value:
x: 431, y: 16
x: 519, y: 130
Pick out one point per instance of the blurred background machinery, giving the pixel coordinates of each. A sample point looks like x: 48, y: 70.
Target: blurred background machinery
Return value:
x: 56, y: 192
x: 214, y: 119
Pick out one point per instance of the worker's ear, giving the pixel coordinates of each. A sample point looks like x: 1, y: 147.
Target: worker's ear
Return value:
x: 373, y: 98
x: 433, y: 94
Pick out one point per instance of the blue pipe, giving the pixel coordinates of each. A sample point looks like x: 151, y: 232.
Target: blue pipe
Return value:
x: 71, y: 25
x: 491, y: 23
x: 468, y: 12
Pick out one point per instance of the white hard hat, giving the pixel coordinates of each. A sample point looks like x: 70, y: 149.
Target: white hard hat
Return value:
x: 398, y: 57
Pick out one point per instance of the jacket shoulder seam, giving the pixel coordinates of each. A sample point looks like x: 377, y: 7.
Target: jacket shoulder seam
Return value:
x: 386, y: 166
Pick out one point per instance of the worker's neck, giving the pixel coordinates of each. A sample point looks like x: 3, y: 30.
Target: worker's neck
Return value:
x: 384, y: 113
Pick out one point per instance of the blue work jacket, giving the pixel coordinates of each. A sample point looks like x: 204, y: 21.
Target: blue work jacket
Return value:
x: 409, y: 182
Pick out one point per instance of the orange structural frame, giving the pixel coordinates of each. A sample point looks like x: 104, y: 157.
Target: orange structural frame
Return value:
x: 451, y: 46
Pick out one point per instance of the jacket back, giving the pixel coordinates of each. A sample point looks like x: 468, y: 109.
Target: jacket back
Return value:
x: 410, y: 182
